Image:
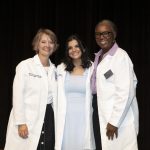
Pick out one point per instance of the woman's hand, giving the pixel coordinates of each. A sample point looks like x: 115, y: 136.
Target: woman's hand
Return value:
x: 23, y: 131
x: 111, y: 131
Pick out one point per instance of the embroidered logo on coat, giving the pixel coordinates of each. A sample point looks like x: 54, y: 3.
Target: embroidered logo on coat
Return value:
x: 35, y: 75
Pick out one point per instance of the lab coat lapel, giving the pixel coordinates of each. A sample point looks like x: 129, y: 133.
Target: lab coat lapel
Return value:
x: 42, y: 71
x: 105, y: 63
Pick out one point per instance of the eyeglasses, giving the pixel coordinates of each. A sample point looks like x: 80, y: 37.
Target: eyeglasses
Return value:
x: 105, y: 34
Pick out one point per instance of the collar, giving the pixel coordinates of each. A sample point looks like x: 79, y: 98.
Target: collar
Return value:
x: 38, y: 62
x: 111, y: 52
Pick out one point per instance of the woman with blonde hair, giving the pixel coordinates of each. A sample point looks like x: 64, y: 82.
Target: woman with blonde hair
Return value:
x: 31, y: 122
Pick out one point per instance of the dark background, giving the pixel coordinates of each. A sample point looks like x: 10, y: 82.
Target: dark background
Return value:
x: 19, y: 21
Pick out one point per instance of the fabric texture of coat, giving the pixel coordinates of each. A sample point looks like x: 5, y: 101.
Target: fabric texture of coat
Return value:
x: 30, y: 94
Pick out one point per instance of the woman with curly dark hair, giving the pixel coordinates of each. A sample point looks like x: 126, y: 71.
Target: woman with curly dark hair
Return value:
x: 74, y: 129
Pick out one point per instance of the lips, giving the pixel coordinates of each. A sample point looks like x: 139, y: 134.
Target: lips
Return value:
x: 75, y: 55
x: 103, y: 42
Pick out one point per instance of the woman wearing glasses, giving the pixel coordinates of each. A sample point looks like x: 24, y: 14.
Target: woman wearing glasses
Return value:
x: 115, y: 90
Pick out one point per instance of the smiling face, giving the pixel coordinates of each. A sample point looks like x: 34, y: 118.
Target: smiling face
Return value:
x: 74, y: 50
x: 105, y: 36
x: 45, y: 45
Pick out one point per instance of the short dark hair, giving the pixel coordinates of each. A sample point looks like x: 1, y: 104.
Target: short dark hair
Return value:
x: 86, y: 63
x: 110, y: 23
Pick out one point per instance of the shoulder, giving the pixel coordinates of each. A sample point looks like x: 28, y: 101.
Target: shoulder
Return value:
x: 24, y: 63
x: 91, y: 66
x: 121, y: 53
x: 91, y: 63
x: 123, y: 57
x: 61, y: 66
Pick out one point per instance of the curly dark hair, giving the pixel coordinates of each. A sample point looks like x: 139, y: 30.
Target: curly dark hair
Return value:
x: 86, y: 63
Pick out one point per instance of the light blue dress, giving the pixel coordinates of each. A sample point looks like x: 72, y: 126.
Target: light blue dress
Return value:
x: 74, y: 131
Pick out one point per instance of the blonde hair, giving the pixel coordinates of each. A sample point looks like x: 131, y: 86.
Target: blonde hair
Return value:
x: 38, y: 36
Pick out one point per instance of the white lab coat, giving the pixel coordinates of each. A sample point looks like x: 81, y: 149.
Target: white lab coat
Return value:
x: 30, y: 94
x: 61, y: 113
x: 117, y: 102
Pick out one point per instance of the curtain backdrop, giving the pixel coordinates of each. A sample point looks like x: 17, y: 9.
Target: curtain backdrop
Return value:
x: 20, y: 20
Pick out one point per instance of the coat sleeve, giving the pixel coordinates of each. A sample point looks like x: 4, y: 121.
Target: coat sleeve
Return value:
x: 123, y: 82
x: 18, y: 94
